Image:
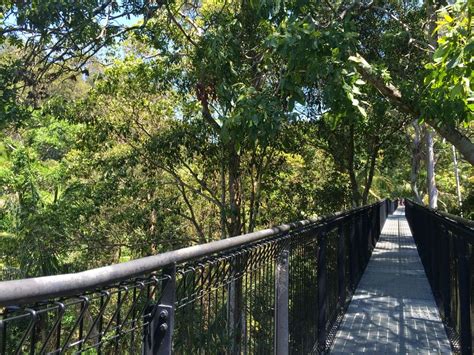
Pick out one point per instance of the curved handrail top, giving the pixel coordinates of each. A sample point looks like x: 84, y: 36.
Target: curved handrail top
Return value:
x: 460, y: 221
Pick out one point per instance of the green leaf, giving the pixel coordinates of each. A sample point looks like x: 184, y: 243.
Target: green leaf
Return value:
x: 456, y: 91
x: 362, y: 111
x: 440, y: 53
x: 448, y: 18
x: 355, y: 59
x: 454, y: 62
x: 356, y: 90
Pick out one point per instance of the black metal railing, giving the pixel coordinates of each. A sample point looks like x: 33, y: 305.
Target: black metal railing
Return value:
x: 280, y: 290
x: 445, y: 244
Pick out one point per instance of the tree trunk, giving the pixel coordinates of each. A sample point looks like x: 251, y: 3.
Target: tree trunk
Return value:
x: 456, y: 175
x: 430, y: 160
x: 222, y: 207
x: 236, y: 313
x: 152, y: 227
x: 368, y: 184
x: 260, y: 166
x: 415, y: 161
x: 235, y: 226
x: 462, y: 143
x: 430, y: 167
x: 356, y: 196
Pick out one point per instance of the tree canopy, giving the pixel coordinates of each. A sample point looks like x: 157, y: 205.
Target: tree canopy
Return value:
x: 135, y: 127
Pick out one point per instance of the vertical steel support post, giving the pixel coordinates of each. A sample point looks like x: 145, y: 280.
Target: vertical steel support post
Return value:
x: 435, y: 261
x: 360, y: 242
x: 159, y: 332
x: 367, y: 231
x: 380, y: 222
x: 322, y: 290
x: 368, y: 235
x: 236, y: 306
x: 3, y: 333
x: 354, y: 261
x: 341, y: 263
x: 429, y: 250
x: 375, y: 227
x: 464, y: 274
x: 281, y: 336
x: 384, y: 215
x: 427, y: 244
x: 445, y: 277
x: 378, y: 225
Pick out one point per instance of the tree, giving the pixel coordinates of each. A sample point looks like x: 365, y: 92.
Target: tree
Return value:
x: 199, y: 121
x: 388, y: 58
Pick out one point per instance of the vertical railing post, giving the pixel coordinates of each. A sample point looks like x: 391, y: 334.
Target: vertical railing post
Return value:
x: 322, y: 290
x: 380, y: 220
x: 374, y: 227
x: 445, y: 277
x: 360, y: 241
x: 435, y: 262
x: 341, y: 263
x: 159, y: 332
x: 464, y: 275
x: 3, y: 332
x: 429, y: 250
x: 379, y: 223
x: 367, y: 231
x: 353, y: 254
x: 281, y: 337
x: 235, y: 305
x: 384, y: 216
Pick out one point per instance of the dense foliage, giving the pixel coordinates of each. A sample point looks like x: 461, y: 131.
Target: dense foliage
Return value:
x: 131, y: 128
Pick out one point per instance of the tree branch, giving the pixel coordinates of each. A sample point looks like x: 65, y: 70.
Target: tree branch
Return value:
x: 393, y: 94
x: 173, y: 19
x: 191, y: 218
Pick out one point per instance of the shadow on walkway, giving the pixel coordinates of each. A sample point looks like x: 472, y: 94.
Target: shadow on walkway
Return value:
x: 393, y: 309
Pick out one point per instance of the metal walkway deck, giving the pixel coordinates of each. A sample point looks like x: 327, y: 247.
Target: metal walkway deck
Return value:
x: 393, y: 309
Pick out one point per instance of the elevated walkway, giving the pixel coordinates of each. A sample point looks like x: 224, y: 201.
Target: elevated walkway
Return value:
x: 393, y: 309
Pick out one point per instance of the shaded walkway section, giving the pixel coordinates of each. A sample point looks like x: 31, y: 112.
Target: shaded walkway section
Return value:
x: 393, y: 309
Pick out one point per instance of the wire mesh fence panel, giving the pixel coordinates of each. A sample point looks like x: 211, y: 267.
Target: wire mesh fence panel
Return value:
x: 303, y: 291
x: 332, y: 274
x: 107, y: 321
x: 227, y: 302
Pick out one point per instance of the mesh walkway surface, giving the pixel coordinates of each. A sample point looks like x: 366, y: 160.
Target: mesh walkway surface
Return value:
x: 393, y: 310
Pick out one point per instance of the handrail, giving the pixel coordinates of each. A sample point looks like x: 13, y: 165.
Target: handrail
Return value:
x: 219, y: 293
x: 460, y: 221
x: 32, y: 289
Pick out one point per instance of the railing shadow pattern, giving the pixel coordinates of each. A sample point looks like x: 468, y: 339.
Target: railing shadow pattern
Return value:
x: 281, y: 290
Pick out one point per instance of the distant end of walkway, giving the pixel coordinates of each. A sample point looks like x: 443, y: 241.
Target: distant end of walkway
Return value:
x: 393, y: 309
